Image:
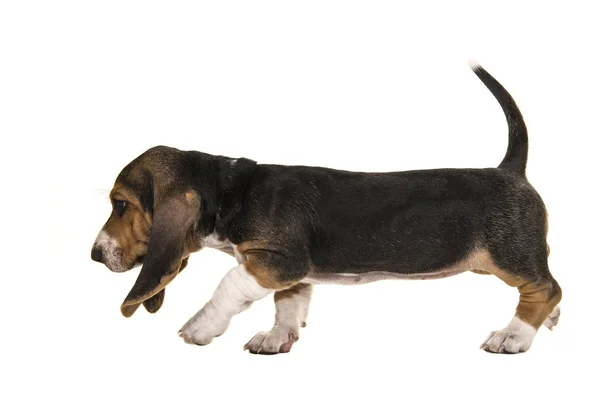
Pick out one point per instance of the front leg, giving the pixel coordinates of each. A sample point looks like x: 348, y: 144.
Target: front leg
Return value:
x: 236, y: 292
x: 291, y: 307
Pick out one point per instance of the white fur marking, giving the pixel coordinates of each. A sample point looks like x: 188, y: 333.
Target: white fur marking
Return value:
x: 474, y: 64
x: 212, y: 241
x: 515, y: 338
x: 235, y: 293
x: 111, y: 254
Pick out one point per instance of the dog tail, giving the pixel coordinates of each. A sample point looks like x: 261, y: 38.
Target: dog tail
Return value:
x: 515, y: 159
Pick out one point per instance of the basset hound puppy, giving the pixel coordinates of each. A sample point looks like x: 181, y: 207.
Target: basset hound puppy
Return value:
x: 290, y: 227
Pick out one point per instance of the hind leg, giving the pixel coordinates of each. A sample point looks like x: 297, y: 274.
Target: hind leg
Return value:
x: 537, y: 305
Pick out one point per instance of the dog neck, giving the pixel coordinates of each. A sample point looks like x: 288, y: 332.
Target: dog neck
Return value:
x: 235, y: 178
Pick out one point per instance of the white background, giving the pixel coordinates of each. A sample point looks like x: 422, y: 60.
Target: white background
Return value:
x: 374, y: 86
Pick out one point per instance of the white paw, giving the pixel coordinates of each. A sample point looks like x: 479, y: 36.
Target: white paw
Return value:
x: 202, y: 328
x: 515, y: 338
x: 278, y: 340
x: 552, y: 319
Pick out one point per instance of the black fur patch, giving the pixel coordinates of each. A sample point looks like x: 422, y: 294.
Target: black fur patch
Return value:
x: 234, y: 179
x: 404, y: 222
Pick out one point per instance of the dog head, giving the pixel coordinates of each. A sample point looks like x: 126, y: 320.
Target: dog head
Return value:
x: 154, y: 208
x: 163, y: 203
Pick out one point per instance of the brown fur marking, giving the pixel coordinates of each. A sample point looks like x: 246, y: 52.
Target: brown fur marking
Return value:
x: 131, y: 229
x: 291, y: 292
x: 537, y: 301
x: 481, y: 272
x: 265, y: 276
x: 537, y: 298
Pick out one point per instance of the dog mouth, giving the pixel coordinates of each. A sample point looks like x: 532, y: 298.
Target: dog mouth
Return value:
x: 122, y: 267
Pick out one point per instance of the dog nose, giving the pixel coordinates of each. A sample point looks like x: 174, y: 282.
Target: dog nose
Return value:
x: 97, y: 254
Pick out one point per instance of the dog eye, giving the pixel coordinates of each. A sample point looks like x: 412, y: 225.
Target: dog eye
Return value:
x: 120, y: 205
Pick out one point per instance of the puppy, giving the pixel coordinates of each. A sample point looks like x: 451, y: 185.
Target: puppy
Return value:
x: 290, y: 227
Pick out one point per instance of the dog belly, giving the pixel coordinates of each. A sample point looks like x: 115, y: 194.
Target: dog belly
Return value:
x: 368, y: 277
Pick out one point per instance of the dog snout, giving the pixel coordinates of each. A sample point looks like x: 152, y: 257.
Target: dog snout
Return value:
x: 97, y: 254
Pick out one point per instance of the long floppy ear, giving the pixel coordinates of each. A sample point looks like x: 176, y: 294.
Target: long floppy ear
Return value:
x: 172, y: 220
x: 154, y: 303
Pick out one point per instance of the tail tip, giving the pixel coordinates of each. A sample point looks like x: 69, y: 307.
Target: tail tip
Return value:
x: 474, y: 65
